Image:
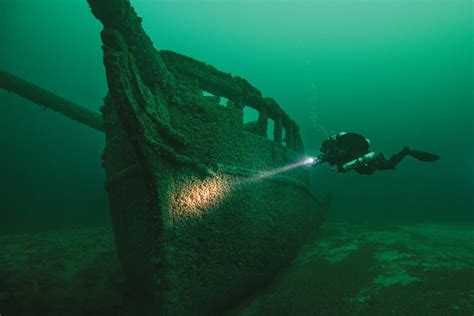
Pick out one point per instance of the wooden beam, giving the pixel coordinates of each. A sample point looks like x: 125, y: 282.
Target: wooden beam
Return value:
x: 42, y: 97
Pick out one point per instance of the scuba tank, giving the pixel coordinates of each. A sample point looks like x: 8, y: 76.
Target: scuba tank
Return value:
x: 358, y: 162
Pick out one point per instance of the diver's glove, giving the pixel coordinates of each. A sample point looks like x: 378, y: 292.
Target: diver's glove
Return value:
x: 321, y: 158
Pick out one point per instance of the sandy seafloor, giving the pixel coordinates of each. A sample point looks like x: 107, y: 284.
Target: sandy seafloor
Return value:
x: 350, y: 269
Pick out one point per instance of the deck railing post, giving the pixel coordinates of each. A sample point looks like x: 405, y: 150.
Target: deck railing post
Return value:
x: 298, y: 142
x: 262, y: 121
x: 290, y: 136
x: 238, y: 104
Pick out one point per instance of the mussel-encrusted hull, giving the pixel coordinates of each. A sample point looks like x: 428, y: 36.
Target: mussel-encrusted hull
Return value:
x: 212, y: 238
x: 196, y: 226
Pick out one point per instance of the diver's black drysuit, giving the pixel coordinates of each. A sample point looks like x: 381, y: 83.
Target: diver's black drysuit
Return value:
x: 345, y: 147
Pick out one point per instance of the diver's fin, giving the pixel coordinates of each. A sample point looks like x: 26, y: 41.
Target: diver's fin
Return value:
x: 423, y: 155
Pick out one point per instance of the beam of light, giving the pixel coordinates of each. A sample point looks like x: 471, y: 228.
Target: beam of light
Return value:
x: 195, y: 196
x: 309, y: 161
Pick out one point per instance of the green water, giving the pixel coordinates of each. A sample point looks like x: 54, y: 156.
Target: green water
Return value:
x: 399, y: 72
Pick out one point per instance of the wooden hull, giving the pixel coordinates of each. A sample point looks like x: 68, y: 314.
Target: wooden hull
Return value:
x: 197, y: 226
x: 213, y: 239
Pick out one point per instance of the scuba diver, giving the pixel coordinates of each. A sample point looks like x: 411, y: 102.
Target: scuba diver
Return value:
x: 350, y: 151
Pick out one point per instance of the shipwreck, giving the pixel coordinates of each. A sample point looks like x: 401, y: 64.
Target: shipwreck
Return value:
x: 197, y: 222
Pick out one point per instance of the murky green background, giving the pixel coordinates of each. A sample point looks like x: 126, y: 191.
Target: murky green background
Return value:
x: 399, y: 72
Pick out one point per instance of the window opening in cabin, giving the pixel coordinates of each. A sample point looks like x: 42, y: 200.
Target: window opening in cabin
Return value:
x: 250, y: 114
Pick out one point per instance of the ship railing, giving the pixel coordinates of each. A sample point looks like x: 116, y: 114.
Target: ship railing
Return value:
x: 237, y: 90
x: 240, y: 94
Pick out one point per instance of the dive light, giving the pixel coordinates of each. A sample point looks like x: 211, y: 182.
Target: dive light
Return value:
x: 312, y: 161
